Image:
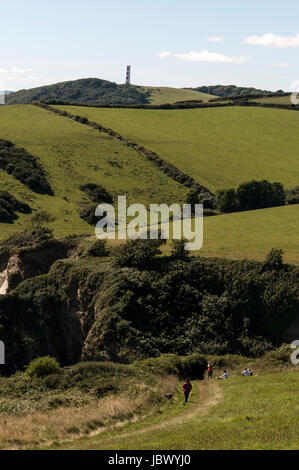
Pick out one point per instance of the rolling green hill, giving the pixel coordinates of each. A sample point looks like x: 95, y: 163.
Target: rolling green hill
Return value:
x: 86, y: 90
x: 162, y: 95
x: 73, y: 154
x: 96, y: 91
x: 219, y: 147
x: 230, y: 90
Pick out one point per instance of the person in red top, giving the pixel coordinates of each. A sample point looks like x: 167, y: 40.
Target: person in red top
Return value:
x: 210, y: 370
x: 187, y: 387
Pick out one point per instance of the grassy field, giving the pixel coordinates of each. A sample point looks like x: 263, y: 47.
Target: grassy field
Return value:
x: 274, y: 100
x: 252, y: 413
x: 73, y: 154
x: 76, y: 401
x: 252, y: 234
x: 219, y: 147
x: 97, y: 406
x: 162, y: 95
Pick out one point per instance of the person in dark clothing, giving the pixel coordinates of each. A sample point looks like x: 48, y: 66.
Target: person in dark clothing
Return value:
x: 187, y: 387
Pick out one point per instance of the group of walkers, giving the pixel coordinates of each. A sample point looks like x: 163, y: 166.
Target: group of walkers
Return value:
x: 187, y: 386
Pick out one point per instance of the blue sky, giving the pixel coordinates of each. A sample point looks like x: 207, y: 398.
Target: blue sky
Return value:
x: 168, y: 42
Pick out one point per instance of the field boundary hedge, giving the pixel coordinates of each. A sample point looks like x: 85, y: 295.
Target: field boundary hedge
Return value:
x: 164, y: 166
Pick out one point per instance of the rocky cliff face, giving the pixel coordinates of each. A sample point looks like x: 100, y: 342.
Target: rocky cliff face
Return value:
x: 28, y: 262
x: 57, y: 299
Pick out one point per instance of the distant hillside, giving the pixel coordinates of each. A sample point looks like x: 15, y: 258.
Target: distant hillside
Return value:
x: 162, y: 95
x: 230, y: 90
x: 87, y: 90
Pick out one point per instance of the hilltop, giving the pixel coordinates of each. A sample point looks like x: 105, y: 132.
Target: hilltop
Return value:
x: 86, y: 90
x: 100, y: 92
x: 230, y: 90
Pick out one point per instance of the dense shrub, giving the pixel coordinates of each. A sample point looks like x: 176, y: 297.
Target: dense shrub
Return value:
x: 87, y: 90
x: 259, y: 194
x: 42, y: 366
x: 232, y: 91
x: 251, y: 195
x: 196, y: 196
x: 226, y: 200
x: 87, y: 213
x: 151, y: 306
x: 137, y: 253
x: 192, y: 366
x: 96, y: 193
x: 98, y: 248
x: 9, y: 205
x: 24, y: 167
x: 178, y: 249
x: 292, y: 196
x: 274, y: 259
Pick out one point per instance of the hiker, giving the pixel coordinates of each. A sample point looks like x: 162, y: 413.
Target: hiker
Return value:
x: 245, y: 372
x: 187, y: 387
x: 224, y: 375
x: 210, y: 370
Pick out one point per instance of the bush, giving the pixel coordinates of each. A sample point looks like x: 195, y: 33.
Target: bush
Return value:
x: 9, y: 205
x: 96, y: 193
x: 24, y: 167
x: 292, y: 196
x: 192, y: 366
x: 260, y: 194
x: 87, y: 213
x: 226, y: 200
x: 98, y: 248
x: 250, y: 196
x: 42, y: 366
x: 137, y: 253
x: 178, y: 249
x: 274, y: 259
x: 196, y: 196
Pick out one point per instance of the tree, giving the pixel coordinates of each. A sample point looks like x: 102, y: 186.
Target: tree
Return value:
x: 178, y: 249
x: 137, y: 253
x: 274, y: 259
x: 227, y: 200
x: 41, y: 218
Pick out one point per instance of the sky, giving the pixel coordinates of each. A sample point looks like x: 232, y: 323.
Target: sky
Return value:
x: 174, y: 43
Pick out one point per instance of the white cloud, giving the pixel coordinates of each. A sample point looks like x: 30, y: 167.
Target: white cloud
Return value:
x: 164, y: 54
x: 215, y: 39
x: 272, y: 40
x: 206, y: 56
x: 280, y: 64
x: 17, y: 70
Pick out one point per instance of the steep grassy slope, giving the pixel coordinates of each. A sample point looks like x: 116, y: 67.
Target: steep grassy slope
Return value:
x: 73, y: 154
x: 86, y: 90
x: 218, y: 147
x: 162, y: 95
